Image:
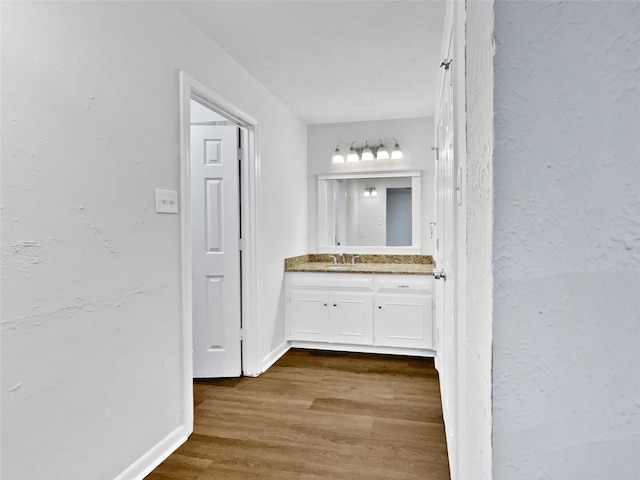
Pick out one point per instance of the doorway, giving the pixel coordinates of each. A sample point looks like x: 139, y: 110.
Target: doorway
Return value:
x: 218, y: 197
x: 399, y: 217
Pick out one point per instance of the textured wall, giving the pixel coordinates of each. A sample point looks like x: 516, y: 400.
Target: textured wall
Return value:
x: 91, y: 290
x: 475, y: 400
x: 566, y: 244
x: 416, y: 138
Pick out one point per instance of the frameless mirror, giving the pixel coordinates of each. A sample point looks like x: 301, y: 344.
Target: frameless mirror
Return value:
x: 376, y: 212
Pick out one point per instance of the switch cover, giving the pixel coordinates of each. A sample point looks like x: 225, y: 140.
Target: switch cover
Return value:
x: 166, y: 201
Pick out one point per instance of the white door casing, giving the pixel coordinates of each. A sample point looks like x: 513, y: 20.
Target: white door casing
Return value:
x: 215, y: 212
x: 250, y: 178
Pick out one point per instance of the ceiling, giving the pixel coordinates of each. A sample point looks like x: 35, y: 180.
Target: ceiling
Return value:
x: 333, y: 61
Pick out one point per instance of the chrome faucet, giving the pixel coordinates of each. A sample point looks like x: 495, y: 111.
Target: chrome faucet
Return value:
x: 335, y: 260
x: 342, y: 259
x: 353, y: 259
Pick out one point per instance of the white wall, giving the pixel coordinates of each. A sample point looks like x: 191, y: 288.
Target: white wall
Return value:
x: 415, y: 136
x: 91, y: 312
x: 473, y: 101
x: 566, y: 240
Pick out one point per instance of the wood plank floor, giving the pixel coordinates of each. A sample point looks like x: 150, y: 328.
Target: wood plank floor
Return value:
x: 318, y: 415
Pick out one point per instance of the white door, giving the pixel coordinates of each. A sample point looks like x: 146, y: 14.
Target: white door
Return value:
x: 215, y: 213
x: 445, y: 244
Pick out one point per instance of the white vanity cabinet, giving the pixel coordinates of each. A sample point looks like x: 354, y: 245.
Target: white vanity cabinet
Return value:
x: 330, y: 307
x: 336, y: 317
x: 403, y: 313
x: 360, y: 312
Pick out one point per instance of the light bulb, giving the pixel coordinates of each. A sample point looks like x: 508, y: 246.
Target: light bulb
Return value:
x: 396, y: 154
x: 383, y: 153
x: 337, y: 157
x: 352, y: 156
x: 367, y: 154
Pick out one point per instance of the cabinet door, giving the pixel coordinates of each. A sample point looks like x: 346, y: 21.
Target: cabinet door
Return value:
x: 403, y: 321
x: 309, y: 316
x: 350, y: 318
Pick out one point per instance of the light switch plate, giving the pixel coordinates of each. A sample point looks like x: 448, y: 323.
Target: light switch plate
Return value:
x: 166, y: 201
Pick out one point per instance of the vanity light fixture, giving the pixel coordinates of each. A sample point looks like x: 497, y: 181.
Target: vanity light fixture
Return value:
x: 370, y: 191
x: 367, y: 153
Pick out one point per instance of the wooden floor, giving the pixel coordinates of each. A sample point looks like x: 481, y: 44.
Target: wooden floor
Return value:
x: 318, y: 415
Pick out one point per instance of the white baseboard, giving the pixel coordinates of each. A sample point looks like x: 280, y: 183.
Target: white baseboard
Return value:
x: 155, y: 456
x: 340, y: 347
x: 274, y: 356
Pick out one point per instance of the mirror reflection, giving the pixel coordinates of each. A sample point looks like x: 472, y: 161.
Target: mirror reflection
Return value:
x: 369, y: 211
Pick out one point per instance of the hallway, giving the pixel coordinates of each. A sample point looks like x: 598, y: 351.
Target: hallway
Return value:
x: 318, y: 415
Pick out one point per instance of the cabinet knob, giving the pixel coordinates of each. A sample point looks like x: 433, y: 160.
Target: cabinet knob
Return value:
x: 335, y: 304
x: 380, y: 307
x: 324, y: 304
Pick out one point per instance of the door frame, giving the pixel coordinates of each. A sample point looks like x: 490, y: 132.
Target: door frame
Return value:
x: 250, y: 176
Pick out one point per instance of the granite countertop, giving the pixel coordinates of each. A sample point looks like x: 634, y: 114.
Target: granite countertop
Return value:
x: 393, y: 264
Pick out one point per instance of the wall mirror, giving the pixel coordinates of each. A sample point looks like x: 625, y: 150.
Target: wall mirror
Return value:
x: 373, y: 212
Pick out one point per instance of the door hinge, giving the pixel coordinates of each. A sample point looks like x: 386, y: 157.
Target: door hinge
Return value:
x: 240, y: 244
x: 240, y: 154
x: 243, y: 335
x: 446, y: 63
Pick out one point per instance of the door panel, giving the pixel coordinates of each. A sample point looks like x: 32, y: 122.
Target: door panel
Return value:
x: 310, y: 316
x: 213, y: 215
x: 216, y: 257
x: 350, y: 318
x: 404, y: 321
x: 213, y: 337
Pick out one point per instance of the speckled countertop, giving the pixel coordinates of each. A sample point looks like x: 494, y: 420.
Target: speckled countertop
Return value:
x: 394, y: 264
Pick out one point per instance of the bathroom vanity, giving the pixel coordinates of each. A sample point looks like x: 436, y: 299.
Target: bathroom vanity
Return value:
x: 368, y: 290
x: 378, y: 304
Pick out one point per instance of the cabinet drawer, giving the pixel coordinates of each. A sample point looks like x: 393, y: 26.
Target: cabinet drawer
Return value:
x: 330, y: 281
x: 404, y: 283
